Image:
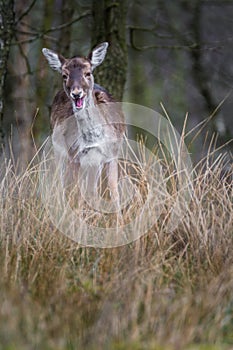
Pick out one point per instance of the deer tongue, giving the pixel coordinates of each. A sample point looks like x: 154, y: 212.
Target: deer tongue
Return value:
x: 79, y: 102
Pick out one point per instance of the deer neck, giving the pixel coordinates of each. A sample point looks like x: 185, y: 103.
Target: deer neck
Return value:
x: 89, y: 120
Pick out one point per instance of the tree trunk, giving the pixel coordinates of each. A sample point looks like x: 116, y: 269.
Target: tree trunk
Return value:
x: 199, y: 73
x: 65, y: 34
x: 109, y: 18
x: 22, y: 100
x: 55, y: 14
x: 6, y: 30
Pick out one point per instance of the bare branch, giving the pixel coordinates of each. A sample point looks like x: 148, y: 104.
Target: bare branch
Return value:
x: 151, y: 30
x: 62, y: 26
x: 40, y: 35
x: 187, y: 45
x: 149, y: 47
x: 26, y: 12
x: 29, y: 71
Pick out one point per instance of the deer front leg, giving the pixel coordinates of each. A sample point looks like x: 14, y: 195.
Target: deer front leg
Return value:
x: 113, y: 187
x: 113, y: 181
x: 88, y: 179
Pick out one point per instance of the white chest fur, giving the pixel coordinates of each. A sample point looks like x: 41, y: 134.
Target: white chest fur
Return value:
x: 86, y: 138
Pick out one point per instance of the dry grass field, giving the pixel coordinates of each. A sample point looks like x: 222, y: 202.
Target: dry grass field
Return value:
x: 165, y: 291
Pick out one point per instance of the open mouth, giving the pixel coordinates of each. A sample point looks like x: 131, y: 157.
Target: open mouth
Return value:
x: 79, y: 102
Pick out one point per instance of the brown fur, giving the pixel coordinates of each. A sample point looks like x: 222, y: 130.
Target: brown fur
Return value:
x: 78, y: 141
x: 62, y: 107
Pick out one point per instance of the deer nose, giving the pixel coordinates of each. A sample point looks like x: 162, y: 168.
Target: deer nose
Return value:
x: 76, y: 94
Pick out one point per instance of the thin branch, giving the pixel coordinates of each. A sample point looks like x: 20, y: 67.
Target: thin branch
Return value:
x: 186, y: 46
x: 151, y: 30
x: 40, y: 35
x: 29, y: 71
x: 62, y: 26
x: 149, y: 47
x: 19, y: 31
x: 26, y: 12
x: 29, y: 25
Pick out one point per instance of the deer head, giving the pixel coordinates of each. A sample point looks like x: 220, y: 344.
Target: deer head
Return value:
x: 78, y: 81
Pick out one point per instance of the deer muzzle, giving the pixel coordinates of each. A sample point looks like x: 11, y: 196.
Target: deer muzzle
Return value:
x: 78, y: 98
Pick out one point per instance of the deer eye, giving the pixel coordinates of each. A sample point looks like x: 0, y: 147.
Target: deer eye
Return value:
x: 88, y: 74
x: 64, y: 76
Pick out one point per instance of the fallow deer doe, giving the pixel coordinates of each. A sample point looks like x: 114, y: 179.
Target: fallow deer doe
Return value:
x: 92, y: 137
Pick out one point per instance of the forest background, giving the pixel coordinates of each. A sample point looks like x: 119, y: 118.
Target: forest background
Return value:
x: 171, y: 288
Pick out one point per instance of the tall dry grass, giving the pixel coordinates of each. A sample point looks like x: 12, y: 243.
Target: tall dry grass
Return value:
x: 167, y: 290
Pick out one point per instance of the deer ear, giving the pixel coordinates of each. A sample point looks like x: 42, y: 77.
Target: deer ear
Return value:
x: 55, y: 60
x: 98, y: 54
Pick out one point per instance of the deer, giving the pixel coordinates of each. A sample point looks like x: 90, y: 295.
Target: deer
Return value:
x: 87, y: 130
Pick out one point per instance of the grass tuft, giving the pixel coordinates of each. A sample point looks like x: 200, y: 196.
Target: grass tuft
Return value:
x: 165, y: 291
